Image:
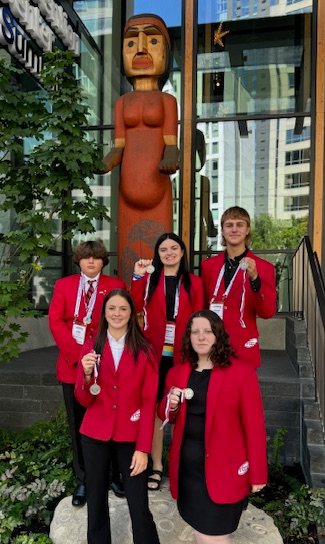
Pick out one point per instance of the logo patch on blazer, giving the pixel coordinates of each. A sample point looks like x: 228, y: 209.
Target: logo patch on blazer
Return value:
x: 251, y: 343
x: 135, y: 416
x: 243, y: 468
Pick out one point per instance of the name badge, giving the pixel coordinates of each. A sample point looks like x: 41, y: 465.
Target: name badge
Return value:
x: 79, y: 332
x: 217, y: 308
x: 170, y: 334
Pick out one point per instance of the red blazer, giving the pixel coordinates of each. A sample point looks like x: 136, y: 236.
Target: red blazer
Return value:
x: 243, y: 339
x: 234, y: 431
x: 126, y: 405
x: 61, y: 317
x: 156, y: 311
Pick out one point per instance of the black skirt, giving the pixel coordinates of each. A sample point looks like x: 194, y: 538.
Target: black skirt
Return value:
x: 194, y: 503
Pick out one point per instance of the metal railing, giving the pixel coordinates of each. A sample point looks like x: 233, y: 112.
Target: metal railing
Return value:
x: 308, y: 302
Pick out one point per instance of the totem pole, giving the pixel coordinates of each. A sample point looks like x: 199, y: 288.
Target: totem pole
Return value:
x: 145, y: 144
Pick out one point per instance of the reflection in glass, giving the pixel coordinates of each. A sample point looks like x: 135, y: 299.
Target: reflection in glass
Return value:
x: 246, y: 164
x: 263, y: 67
x: 227, y: 10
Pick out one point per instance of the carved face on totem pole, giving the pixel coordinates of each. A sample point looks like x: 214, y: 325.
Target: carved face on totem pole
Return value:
x: 146, y: 51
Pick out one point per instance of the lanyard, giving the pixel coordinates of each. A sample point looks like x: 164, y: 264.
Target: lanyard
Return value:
x: 81, y: 292
x: 226, y: 293
x: 177, y: 296
x: 176, y: 304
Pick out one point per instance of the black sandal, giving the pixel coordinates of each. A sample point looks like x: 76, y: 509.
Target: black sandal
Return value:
x: 155, y: 480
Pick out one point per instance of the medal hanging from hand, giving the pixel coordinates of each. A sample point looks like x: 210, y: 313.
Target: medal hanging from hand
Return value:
x: 186, y: 394
x: 95, y: 388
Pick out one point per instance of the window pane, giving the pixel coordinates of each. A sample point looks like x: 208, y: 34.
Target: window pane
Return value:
x: 251, y: 169
x: 262, y: 67
x: 227, y: 10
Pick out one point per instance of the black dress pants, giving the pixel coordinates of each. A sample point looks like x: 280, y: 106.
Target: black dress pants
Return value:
x: 97, y: 457
x: 75, y: 414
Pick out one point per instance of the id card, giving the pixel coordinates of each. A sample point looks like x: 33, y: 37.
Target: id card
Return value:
x: 79, y: 332
x: 217, y: 308
x: 170, y: 334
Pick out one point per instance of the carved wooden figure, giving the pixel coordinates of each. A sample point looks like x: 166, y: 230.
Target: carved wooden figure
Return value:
x: 145, y: 144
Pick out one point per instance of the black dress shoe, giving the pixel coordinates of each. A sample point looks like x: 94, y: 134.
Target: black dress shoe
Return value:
x: 79, y: 496
x: 118, y: 489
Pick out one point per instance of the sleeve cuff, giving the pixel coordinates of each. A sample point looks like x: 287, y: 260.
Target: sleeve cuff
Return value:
x: 256, y: 284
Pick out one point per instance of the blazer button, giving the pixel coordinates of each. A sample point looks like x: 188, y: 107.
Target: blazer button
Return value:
x: 207, y: 455
x: 225, y: 307
x: 114, y: 387
x: 113, y: 407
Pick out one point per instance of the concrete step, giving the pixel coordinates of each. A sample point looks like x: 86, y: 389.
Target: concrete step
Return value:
x: 315, y: 434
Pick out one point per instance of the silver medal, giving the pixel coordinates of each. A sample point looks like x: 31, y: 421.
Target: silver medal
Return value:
x: 94, y: 389
x: 188, y: 393
x: 243, y: 265
x: 86, y: 320
x: 150, y: 268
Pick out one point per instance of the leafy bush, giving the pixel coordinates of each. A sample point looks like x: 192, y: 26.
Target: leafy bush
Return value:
x: 296, y: 508
x: 35, y: 474
x: 32, y: 538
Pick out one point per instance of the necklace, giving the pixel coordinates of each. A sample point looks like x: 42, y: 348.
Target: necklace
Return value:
x: 232, y: 264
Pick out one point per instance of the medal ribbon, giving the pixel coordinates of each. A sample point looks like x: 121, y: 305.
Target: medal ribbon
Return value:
x: 242, y: 303
x: 145, y: 318
x: 177, y: 295
x: 96, y: 366
x: 167, y: 411
x: 226, y: 293
x: 81, y: 291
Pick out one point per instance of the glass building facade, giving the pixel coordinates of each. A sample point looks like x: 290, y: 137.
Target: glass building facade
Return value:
x: 244, y: 84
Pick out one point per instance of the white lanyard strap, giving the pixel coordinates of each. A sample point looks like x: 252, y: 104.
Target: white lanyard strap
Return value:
x: 216, y: 289
x: 242, y: 302
x: 176, y: 305
x: 81, y: 291
x: 177, y: 296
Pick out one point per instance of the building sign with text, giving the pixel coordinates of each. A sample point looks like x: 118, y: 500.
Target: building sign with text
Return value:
x: 27, y: 30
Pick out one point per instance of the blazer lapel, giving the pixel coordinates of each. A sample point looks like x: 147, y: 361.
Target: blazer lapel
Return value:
x: 161, y: 292
x: 108, y: 356
x: 215, y: 384
x: 101, y: 292
x: 185, y: 373
x: 125, y: 358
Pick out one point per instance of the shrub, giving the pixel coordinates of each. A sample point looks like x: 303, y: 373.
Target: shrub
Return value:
x: 35, y: 474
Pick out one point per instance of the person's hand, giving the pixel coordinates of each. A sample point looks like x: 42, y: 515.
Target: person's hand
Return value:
x: 139, y: 462
x: 257, y: 487
x: 175, y: 396
x: 88, y: 362
x: 141, y: 265
x: 251, y: 270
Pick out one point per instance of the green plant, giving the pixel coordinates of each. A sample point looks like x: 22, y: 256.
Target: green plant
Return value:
x: 295, y: 507
x: 305, y: 508
x: 35, y: 473
x: 45, y: 193
x: 32, y: 538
